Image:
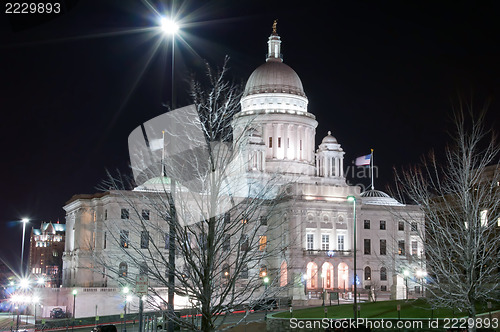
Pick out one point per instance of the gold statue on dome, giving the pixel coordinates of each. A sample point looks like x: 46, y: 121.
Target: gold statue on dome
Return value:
x: 274, y: 26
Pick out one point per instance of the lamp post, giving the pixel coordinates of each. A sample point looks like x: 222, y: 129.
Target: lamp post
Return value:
x: 24, y: 221
x: 421, y: 275
x: 170, y: 27
x: 353, y: 200
x: 35, y: 301
x: 323, y: 287
x: 125, y: 292
x: 74, y: 302
x: 266, y: 282
x: 406, y: 274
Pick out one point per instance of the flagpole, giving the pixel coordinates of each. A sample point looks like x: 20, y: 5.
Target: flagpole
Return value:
x: 371, y: 167
x: 163, y: 173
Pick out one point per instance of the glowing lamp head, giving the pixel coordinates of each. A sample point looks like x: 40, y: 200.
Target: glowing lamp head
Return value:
x: 126, y: 290
x: 24, y: 283
x: 406, y: 273
x: 266, y: 280
x: 40, y: 281
x: 129, y: 298
x: 351, y: 198
x: 74, y: 292
x: 168, y: 26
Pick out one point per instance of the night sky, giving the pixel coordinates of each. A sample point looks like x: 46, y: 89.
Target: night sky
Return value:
x: 381, y: 75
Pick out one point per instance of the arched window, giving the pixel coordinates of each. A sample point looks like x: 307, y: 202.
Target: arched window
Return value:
x: 122, y: 269
x: 325, y: 218
x: 263, y: 271
x: 368, y: 273
x: 225, y: 271
x: 383, y: 273
x: 310, y: 218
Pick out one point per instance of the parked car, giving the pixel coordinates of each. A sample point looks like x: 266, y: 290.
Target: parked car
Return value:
x: 57, y: 313
x: 269, y: 304
x: 104, y: 328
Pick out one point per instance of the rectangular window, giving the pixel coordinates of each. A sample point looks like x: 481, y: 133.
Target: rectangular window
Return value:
x: 124, y: 239
x: 262, y: 242
x: 226, y: 245
x: 145, y: 214
x: 340, y: 242
x: 383, y: 247
x: 325, y: 242
x: 367, y: 246
x: 401, y: 247
x: 382, y: 224
x: 244, y: 243
x: 300, y: 145
x: 244, y: 272
x: 263, y: 221
x: 144, y: 240
x: 401, y: 225
x: 279, y: 142
x: 483, y: 215
x: 105, y: 214
x: 125, y: 214
x: 414, y: 248
x: 383, y: 288
x: 105, y: 240
x: 270, y: 142
x: 413, y: 226
x: 310, y: 241
x: 367, y: 224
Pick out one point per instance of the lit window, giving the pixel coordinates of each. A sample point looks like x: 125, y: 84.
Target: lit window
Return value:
x: 401, y: 247
x: 484, y: 218
x: 124, y: 239
x: 262, y: 242
x: 263, y: 271
x: 122, y: 270
x: 368, y: 273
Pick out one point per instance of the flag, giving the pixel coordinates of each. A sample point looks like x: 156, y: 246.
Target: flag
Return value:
x: 363, y: 160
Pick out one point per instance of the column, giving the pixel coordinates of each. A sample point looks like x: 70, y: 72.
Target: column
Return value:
x: 275, y: 140
x: 341, y: 166
x: 285, y: 141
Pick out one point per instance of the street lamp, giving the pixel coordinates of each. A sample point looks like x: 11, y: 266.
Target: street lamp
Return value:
x: 24, y: 221
x: 35, y: 301
x: 323, y: 287
x: 421, y: 275
x: 406, y: 273
x: 266, y: 282
x: 125, y: 291
x: 170, y: 27
x: 74, y: 302
x: 353, y: 200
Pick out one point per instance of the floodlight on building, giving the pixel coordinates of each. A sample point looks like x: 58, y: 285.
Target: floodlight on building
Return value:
x: 169, y: 26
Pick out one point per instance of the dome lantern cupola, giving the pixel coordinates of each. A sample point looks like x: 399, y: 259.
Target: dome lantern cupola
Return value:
x: 274, y: 46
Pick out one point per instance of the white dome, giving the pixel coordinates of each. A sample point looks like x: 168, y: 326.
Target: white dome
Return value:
x: 274, y: 77
x: 377, y: 197
x: 329, y: 138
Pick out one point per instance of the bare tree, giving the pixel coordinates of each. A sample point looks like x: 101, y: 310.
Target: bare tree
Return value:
x: 460, y: 199
x: 227, y: 221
